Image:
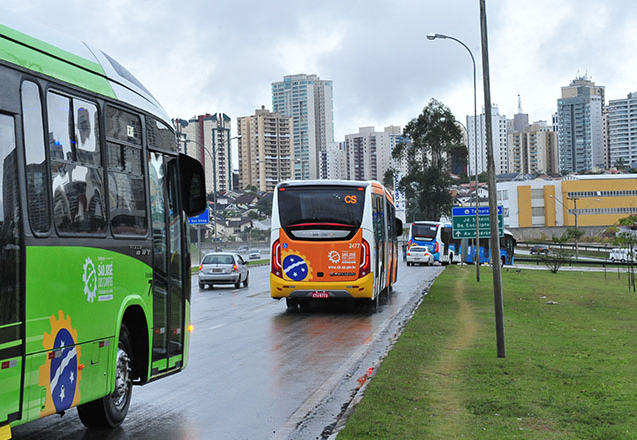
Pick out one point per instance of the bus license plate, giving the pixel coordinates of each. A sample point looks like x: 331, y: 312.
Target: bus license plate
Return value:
x: 320, y: 295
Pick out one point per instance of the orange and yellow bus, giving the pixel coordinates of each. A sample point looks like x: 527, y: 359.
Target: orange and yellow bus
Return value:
x: 333, y: 239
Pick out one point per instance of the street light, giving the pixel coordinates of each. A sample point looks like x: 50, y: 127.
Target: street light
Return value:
x: 575, y: 214
x: 475, y: 141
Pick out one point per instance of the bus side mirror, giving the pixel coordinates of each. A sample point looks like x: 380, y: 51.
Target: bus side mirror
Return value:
x: 193, y: 185
x: 399, y: 227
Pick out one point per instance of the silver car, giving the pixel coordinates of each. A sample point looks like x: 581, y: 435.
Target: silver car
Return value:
x: 223, y: 268
x: 419, y: 255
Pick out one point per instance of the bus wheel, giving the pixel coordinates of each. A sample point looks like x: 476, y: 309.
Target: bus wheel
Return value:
x: 502, y: 261
x: 202, y: 286
x: 374, y: 303
x: 110, y: 411
x: 291, y: 303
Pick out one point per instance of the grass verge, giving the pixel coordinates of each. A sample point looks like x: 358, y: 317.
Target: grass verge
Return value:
x: 569, y: 371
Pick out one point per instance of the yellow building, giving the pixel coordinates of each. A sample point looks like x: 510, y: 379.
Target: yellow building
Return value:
x: 589, y: 200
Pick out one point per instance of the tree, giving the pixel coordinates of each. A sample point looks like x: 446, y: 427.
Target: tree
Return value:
x: 620, y: 163
x: 434, y: 135
x: 557, y: 256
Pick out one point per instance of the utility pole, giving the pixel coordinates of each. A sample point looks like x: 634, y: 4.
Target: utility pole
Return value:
x: 493, y: 202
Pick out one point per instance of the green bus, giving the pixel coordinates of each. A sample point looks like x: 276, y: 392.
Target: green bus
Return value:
x: 94, y: 255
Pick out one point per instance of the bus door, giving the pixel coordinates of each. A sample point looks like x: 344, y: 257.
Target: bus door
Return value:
x: 11, y: 321
x: 168, y: 276
x: 378, y: 214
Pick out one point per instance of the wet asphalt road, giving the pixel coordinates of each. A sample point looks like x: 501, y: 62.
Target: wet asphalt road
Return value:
x: 255, y: 370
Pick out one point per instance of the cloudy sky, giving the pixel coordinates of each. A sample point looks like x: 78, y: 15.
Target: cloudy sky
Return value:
x: 222, y: 56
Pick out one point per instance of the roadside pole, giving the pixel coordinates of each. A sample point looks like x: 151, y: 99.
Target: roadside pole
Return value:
x: 495, y: 237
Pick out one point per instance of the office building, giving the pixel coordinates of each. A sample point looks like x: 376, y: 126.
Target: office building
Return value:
x: 308, y: 100
x: 585, y: 200
x: 266, y: 155
x: 336, y: 161
x: 500, y: 152
x: 621, y: 124
x: 580, y: 135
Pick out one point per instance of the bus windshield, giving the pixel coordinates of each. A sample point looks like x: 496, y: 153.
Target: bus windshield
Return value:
x: 321, y: 206
x: 422, y: 231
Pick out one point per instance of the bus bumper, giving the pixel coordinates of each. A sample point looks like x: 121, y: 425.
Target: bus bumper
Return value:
x: 361, y: 288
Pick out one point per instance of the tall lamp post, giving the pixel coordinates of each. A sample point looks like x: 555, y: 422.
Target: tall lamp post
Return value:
x: 476, y: 255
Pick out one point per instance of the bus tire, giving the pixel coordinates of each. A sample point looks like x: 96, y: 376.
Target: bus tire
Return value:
x: 502, y: 261
x: 202, y: 286
x: 110, y: 411
x: 291, y: 303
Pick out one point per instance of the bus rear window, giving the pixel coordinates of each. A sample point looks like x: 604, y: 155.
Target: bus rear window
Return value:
x: 321, y: 206
x: 423, y: 231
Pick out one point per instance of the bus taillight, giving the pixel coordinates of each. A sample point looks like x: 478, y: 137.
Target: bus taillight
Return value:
x: 275, y: 259
x: 437, y: 246
x: 365, y: 260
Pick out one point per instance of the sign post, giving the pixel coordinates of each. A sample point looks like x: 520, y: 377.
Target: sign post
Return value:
x: 201, y: 219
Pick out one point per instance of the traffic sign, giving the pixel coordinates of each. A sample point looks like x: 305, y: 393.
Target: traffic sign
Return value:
x: 201, y: 219
x: 464, y: 222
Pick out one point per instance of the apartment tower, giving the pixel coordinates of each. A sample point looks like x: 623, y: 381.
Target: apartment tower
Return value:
x: 307, y: 99
x: 266, y: 156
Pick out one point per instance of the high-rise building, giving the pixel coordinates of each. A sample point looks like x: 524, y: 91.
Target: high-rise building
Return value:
x: 580, y: 135
x: 265, y: 149
x: 622, y: 130
x: 210, y: 137
x: 336, y: 161
x: 533, y: 150
x: 369, y: 152
x: 500, y: 151
x: 308, y: 100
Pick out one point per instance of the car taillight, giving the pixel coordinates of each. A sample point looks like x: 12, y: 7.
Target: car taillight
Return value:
x: 200, y: 267
x: 275, y: 259
x: 234, y: 267
x: 408, y: 254
x: 365, y: 259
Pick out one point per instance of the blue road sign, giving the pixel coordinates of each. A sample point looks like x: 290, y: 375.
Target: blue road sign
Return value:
x: 201, y: 219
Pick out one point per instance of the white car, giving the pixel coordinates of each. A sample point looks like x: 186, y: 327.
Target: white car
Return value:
x: 419, y: 255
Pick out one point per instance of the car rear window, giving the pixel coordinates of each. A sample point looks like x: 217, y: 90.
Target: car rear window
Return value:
x: 218, y: 259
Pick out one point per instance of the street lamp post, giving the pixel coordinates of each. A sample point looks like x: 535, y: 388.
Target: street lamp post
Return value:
x: 476, y: 255
x: 575, y: 214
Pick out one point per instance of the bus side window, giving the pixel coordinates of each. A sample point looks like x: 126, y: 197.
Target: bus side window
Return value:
x: 37, y: 188
x: 127, y: 196
x: 77, y: 179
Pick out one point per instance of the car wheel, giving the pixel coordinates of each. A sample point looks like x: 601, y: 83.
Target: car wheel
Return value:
x: 238, y: 283
x: 110, y: 411
x: 245, y: 282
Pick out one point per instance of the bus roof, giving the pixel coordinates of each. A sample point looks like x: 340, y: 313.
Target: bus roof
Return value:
x: 29, y: 44
x: 323, y: 182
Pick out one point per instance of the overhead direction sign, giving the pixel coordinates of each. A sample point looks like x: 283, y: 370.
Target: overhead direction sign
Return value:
x: 464, y: 222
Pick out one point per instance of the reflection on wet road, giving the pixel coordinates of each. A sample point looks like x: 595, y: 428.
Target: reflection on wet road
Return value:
x: 252, y: 365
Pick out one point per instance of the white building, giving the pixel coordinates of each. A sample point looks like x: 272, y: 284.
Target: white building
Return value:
x: 500, y: 150
x: 308, y: 100
x: 336, y: 160
x: 622, y: 130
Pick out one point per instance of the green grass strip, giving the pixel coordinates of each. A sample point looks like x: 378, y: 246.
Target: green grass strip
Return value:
x: 569, y: 371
